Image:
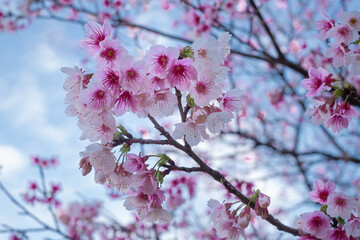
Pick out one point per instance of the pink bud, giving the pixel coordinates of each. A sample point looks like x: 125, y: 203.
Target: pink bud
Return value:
x: 264, y: 200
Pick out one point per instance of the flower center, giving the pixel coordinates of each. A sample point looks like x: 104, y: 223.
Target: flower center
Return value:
x: 109, y: 54
x: 200, y: 88
x: 340, y: 202
x: 343, y: 31
x: 162, y: 60
x: 202, y: 53
x: 316, y: 221
x: 99, y: 94
x: 353, y: 21
x: 131, y: 74
x: 178, y: 70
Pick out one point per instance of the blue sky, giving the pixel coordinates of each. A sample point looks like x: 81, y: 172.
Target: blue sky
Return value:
x: 32, y: 118
x: 32, y: 108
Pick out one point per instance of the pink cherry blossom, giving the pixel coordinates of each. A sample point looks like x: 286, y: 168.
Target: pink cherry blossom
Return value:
x: 245, y: 217
x: 100, y: 157
x: 337, y: 121
x: 353, y: 60
x: 351, y: 18
x: 317, y: 82
x: 229, y: 229
x: 85, y: 166
x: 352, y: 227
x: 98, y: 126
x: 109, y: 78
x: 204, y: 90
x: 338, y: 54
x: 324, y: 26
x: 132, y: 74
x: 120, y: 179
x: 322, y: 191
x: 264, y: 200
x: 231, y: 100
x: 342, y: 33
x: 162, y: 103
x: 194, y: 133
x: 320, y: 113
x: 156, y: 199
x: 110, y: 53
x: 74, y: 83
x: 159, y: 57
x: 175, y: 199
x: 217, y: 120
x: 95, y: 34
x: 134, y: 163
x: 181, y: 73
x: 337, y: 234
x: 126, y: 101
x: 340, y: 204
x: 217, y: 211
x: 347, y: 110
x: 96, y: 98
x: 135, y: 202
x: 317, y: 223
x: 146, y: 180
x: 158, y: 215
x: 157, y: 83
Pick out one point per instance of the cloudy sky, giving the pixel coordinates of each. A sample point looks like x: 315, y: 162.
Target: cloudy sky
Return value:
x: 32, y: 119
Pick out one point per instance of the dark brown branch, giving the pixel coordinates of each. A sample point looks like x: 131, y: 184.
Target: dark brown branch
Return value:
x: 122, y: 140
x: 267, y: 29
x: 181, y: 110
x: 217, y: 176
x: 28, y: 213
x: 268, y: 144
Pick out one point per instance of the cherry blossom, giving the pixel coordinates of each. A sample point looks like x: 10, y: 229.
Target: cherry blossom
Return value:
x: 95, y: 34
x: 110, y: 53
x: 352, y: 227
x: 159, y: 58
x: 342, y: 33
x: 318, y: 81
x: 322, y: 191
x: 204, y: 89
x: 340, y: 204
x: 181, y: 73
x: 193, y: 132
x: 316, y: 223
x: 352, y: 18
x: 96, y: 98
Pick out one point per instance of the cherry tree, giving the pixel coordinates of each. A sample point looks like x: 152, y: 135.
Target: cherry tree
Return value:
x: 249, y: 109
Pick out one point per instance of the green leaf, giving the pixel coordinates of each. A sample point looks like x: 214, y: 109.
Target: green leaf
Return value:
x: 159, y: 177
x: 341, y: 221
x: 323, y: 209
x: 357, y: 42
x: 338, y: 93
x: 186, y: 52
x: 190, y: 101
x: 122, y: 129
x: 125, y: 148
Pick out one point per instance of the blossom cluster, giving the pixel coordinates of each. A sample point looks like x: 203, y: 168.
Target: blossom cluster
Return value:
x: 149, y: 85
x: 327, y: 88
x: 79, y: 219
x: 229, y: 223
x: 338, y: 219
x: 40, y: 193
x: 175, y: 191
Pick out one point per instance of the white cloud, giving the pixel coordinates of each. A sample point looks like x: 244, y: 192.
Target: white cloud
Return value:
x: 47, y: 59
x: 12, y: 161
